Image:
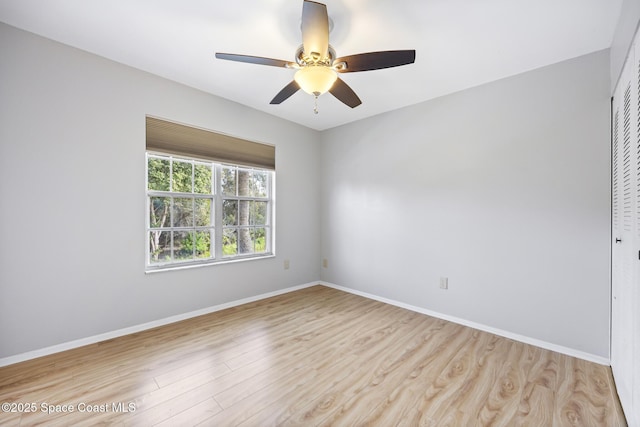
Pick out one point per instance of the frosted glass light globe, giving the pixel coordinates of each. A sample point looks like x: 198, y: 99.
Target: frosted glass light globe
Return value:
x: 315, y: 80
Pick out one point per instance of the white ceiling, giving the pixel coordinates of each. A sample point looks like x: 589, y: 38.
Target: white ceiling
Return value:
x: 459, y: 43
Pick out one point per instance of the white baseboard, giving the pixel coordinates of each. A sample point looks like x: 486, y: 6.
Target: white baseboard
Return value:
x: 172, y: 319
x: 517, y: 337
x: 142, y: 327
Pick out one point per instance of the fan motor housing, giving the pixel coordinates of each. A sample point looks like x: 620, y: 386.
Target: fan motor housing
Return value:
x: 314, y: 58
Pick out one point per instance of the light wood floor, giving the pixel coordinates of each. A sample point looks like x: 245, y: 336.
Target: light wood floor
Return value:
x: 317, y: 356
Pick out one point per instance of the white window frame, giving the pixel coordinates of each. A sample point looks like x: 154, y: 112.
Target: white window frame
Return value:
x: 216, y: 226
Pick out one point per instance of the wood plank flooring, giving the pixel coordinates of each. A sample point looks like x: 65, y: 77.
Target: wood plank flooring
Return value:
x: 314, y: 357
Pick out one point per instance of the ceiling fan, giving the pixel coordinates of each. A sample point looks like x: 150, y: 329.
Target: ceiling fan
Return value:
x: 316, y: 63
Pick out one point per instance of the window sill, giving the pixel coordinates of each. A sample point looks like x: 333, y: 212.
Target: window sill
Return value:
x: 174, y: 267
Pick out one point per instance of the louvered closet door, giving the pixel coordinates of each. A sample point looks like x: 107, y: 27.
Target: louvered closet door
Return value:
x: 625, y: 229
x: 635, y: 249
x: 620, y: 339
x: 617, y: 339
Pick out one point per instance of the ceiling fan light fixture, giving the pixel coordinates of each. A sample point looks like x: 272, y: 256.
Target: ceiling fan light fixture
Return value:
x: 315, y: 80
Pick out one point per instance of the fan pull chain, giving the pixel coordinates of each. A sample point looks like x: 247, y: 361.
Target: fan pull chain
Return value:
x: 315, y: 104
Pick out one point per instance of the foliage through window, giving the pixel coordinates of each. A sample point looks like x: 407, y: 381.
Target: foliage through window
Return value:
x: 205, y: 212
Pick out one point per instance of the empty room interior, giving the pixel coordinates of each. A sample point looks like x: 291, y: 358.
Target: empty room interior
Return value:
x: 344, y: 213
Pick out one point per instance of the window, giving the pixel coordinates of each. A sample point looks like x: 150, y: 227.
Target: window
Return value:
x: 209, y: 196
x: 206, y: 212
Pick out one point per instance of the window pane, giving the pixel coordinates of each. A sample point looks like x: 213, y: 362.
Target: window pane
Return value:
x: 159, y: 215
x: 245, y: 244
x: 230, y: 212
x: 182, y: 212
x: 259, y: 237
x: 183, y: 245
x: 244, y: 182
x: 258, y: 213
x: 228, y: 181
x: 158, y: 174
x: 203, y: 244
x: 203, y: 212
x: 243, y: 212
x: 229, y: 242
x: 159, y: 246
x: 202, y: 179
x: 259, y: 184
x: 182, y: 176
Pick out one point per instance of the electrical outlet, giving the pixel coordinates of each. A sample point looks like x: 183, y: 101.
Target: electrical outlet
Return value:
x: 325, y: 263
x: 444, y: 283
x: 286, y: 264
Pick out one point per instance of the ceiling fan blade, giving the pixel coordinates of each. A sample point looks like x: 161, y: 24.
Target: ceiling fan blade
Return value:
x: 344, y: 93
x: 374, y: 60
x: 315, y: 29
x: 286, y: 92
x: 255, y: 60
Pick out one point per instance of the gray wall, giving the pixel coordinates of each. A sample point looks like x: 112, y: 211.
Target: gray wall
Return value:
x: 503, y: 188
x: 72, y: 185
